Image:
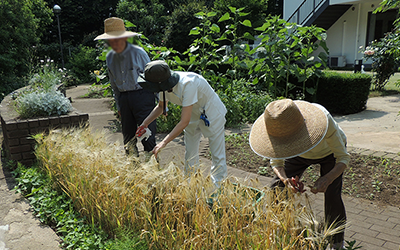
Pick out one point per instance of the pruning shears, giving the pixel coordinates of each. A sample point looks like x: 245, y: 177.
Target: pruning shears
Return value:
x: 298, y: 185
x: 142, y: 133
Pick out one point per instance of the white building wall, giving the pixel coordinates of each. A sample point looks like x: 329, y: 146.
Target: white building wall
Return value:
x: 289, y: 7
x: 349, y: 32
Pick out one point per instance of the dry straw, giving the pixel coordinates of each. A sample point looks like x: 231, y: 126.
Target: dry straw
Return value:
x: 114, y: 191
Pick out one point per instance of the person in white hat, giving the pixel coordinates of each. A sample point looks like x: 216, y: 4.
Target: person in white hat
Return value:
x: 202, y: 113
x: 125, y: 62
x: 295, y: 135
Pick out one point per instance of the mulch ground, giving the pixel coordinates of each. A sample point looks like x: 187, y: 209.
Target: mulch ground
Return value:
x: 372, y: 178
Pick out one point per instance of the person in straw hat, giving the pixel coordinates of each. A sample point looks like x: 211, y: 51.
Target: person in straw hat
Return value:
x: 202, y: 113
x: 125, y: 61
x: 295, y: 135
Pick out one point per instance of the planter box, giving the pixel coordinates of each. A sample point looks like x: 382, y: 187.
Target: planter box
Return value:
x: 18, y: 144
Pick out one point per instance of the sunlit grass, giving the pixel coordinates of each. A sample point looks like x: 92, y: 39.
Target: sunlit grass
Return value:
x: 115, y: 191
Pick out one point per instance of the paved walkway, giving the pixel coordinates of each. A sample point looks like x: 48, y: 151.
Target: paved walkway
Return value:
x: 375, y: 130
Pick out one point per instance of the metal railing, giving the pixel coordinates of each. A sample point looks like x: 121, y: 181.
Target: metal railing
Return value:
x: 305, y: 11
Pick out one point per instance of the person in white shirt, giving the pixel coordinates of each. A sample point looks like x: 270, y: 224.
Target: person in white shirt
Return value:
x: 295, y: 135
x: 202, y: 113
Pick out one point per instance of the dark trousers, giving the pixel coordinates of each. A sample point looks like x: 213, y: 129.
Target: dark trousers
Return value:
x: 334, y: 207
x: 135, y: 106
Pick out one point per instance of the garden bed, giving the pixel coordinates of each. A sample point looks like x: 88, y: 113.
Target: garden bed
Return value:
x: 367, y: 177
x: 18, y: 142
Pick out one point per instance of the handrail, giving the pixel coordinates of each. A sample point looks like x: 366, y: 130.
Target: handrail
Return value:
x: 297, y: 13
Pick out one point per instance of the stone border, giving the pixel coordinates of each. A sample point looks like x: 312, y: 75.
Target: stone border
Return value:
x: 18, y: 143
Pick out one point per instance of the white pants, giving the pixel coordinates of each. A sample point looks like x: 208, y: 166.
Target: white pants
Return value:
x: 217, y: 148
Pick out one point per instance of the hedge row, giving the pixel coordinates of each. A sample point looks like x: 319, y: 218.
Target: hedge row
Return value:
x: 343, y: 93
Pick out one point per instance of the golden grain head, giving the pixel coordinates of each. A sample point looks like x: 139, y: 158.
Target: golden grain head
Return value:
x: 173, y: 211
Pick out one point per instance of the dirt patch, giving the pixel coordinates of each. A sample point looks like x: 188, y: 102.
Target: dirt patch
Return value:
x: 372, y: 178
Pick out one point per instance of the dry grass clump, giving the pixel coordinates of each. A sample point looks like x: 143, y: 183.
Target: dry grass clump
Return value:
x: 114, y: 190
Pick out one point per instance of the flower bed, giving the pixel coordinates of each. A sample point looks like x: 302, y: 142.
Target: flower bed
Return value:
x: 18, y: 143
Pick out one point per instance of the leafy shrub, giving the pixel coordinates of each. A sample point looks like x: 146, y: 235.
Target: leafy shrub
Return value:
x: 83, y: 62
x: 41, y: 103
x: 166, y: 124
x: 385, y: 55
x: 343, y: 93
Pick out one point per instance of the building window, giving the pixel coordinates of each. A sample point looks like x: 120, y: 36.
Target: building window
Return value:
x: 379, y: 24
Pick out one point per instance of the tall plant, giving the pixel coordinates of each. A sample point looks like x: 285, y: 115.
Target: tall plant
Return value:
x: 286, y: 54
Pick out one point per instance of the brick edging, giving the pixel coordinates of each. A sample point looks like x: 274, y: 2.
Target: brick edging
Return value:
x: 18, y: 143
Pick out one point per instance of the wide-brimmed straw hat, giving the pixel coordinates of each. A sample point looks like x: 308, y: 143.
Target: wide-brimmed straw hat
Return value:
x: 114, y: 28
x: 158, y: 77
x: 288, y: 129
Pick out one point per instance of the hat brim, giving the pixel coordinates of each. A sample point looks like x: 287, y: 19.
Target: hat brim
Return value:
x: 116, y: 35
x: 309, y: 136
x: 158, y: 87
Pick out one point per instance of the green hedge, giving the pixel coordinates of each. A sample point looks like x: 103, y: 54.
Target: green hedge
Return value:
x: 343, y: 93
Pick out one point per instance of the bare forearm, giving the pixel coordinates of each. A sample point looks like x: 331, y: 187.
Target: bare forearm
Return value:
x: 175, y: 132
x: 336, y: 171
x: 280, y: 172
x: 156, y: 112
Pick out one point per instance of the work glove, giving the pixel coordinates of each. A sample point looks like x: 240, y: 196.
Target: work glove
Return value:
x: 141, y: 130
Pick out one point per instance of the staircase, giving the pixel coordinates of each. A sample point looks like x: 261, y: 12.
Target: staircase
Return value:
x: 319, y: 13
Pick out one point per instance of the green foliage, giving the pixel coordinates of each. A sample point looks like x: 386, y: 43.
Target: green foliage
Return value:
x: 244, y: 106
x: 83, y: 62
x: 42, y: 104
x: 179, y: 24
x: 258, y: 10
x: 41, y: 98
x: 350, y: 93
x: 20, y: 25
x: 166, y: 123
x: 79, y: 20
x: 285, y: 57
x: 55, y: 208
x: 148, y: 16
x: 385, y: 55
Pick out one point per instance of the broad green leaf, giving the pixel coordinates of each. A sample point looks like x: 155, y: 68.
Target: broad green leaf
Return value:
x: 311, y: 91
x: 200, y: 15
x: 258, y: 67
x: 242, y: 64
x: 211, y: 14
x: 247, y: 35
x: 215, y: 28
x: 177, y: 59
x: 232, y: 9
x: 262, y: 28
x: 194, y: 31
x: 246, y: 23
x: 243, y: 14
x: 255, y: 81
x: 225, y: 17
x: 129, y: 24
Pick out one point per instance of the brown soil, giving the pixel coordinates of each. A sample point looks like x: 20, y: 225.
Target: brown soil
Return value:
x: 372, y: 178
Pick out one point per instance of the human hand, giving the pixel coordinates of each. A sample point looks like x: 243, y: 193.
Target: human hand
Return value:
x: 295, y: 184
x: 141, y: 130
x: 119, y: 113
x: 158, y: 148
x: 321, y: 185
